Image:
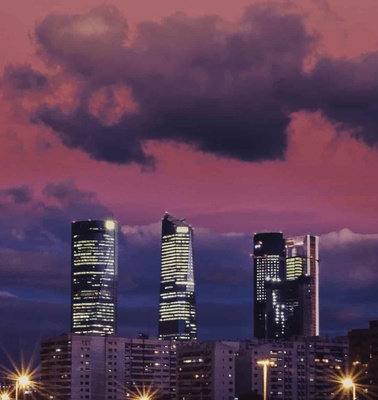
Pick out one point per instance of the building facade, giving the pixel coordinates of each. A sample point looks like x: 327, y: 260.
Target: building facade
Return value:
x: 177, y: 306
x: 269, y: 266
x: 305, y: 250
x: 206, y: 371
x: 304, y: 368
x: 78, y: 367
x: 363, y: 360
x: 94, y: 277
x: 286, y: 272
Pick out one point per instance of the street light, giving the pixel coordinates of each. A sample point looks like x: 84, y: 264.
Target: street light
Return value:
x: 347, y: 384
x: 22, y: 382
x: 4, y: 396
x: 265, y: 364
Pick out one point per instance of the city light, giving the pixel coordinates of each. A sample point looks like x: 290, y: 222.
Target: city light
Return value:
x: 23, y: 380
x: 145, y: 393
x: 349, y: 384
x: 265, y: 364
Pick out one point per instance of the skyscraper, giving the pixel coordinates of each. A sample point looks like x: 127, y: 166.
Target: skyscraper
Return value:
x: 286, y: 286
x: 177, y: 309
x: 94, y: 277
x: 304, y: 250
x: 269, y: 266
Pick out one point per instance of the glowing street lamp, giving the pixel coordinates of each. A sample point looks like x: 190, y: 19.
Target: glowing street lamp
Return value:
x: 22, y: 382
x: 347, y: 384
x: 4, y: 396
x: 265, y: 364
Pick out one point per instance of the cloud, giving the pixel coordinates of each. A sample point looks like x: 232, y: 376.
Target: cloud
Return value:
x: 24, y: 77
x: 67, y: 193
x: 224, y: 88
x: 7, y: 295
x: 348, y: 260
x: 199, y: 81
x: 19, y: 195
x: 345, y: 237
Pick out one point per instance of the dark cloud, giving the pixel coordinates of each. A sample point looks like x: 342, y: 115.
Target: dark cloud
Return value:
x: 24, y: 77
x: 344, y: 90
x: 83, y: 43
x: 19, y: 195
x: 198, y: 81
x: 227, y: 89
x: 67, y: 193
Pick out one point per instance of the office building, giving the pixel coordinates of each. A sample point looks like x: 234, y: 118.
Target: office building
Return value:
x: 150, y: 363
x: 303, y: 368
x: 72, y: 368
x: 206, y: 371
x: 363, y: 360
x: 269, y: 265
x: 305, y: 250
x: 78, y: 367
x: 177, y: 308
x: 94, y: 277
x: 286, y: 286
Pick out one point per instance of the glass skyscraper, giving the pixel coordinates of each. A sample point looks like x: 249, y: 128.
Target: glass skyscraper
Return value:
x: 94, y: 277
x: 305, y: 250
x: 177, y: 308
x: 269, y: 267
x: 286, y: 284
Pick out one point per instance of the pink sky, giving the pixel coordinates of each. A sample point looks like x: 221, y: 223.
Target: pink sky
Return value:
x: 326, y: 181
x: 327, y: 177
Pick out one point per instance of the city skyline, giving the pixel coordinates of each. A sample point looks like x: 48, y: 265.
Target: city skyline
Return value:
x: 240, y: 120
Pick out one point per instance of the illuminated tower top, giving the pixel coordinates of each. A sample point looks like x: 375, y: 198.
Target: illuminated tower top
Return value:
x: 94, y: 277
x: 177, y: 309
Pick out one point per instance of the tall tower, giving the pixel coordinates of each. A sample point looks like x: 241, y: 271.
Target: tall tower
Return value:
x: 94, y: 277
x: 304, y: 251
x: 269, y: 266
x: 177, y: 309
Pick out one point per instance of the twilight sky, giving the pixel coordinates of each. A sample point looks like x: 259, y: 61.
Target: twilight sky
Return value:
x: 241, y: 116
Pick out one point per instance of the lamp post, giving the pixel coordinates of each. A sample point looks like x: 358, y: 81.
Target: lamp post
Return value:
x: 347, y: 384
x: 21, y: 382
x: 265, y: 364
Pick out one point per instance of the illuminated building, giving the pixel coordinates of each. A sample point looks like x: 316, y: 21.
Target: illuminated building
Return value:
x: 286, y: 286
x: 177, y: 308
x: 77, y: 367
x: 206, y: 371
x: 304, y: 250
x: 269, y: 265
x: 94, y: 277
x: 363, y: 360
x: 303, y: 368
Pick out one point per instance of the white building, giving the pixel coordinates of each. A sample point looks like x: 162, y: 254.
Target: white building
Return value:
x: 305, y: 368
x: 77, y: 367
x: 206, y: 371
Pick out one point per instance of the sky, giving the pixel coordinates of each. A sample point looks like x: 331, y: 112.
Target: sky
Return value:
x: 242, y: 117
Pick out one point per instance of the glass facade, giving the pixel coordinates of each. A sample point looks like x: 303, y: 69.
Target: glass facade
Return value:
x: 306, y: 248
x: 94, y: 277
x: 269, y: 266
x: 177, y: 307
x: 286, y: 276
